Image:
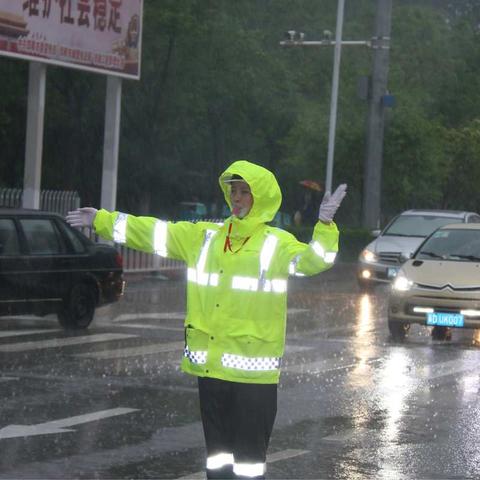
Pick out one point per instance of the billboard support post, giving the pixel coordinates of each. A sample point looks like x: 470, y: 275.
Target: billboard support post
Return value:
x: 111, y: 142
x: 34, y: 137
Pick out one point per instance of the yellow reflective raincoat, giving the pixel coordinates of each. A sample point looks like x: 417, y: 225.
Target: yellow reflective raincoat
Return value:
x: 236, y: 298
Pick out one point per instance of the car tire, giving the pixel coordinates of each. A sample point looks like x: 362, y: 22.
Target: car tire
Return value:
x: 78, y: 308
x: 398, y: 330
x: 441, y: 333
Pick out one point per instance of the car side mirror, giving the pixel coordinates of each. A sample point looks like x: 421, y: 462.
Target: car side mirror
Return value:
x: 375, y: 232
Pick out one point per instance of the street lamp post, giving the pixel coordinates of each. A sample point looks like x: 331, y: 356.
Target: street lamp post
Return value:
x: 296, y: 39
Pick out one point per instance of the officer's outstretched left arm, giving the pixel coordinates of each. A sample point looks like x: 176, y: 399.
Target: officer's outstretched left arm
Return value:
x: 320, y: 253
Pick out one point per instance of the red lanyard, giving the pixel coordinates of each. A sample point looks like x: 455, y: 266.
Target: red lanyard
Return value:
x: 228, y: 244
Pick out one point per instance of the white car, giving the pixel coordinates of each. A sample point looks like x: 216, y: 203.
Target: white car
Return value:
x: 381, y: 259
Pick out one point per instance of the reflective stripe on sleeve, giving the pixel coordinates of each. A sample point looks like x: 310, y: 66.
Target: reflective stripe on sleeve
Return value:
x: 160, y: 238
x: 268, y: 249
x: 292, y: 267
x: 328, y: 257
x: 249, y: 469
x: 258, y: 364
x: 120, y: 228
x: 220, y: 460
x: 198, y: 357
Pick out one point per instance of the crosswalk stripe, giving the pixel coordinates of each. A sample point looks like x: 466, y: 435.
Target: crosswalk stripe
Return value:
x: 124, y: 317
x: 63, y: 342
x: 152, y: 327
x: 14, y: 333
x: 272, y: 458
x: 134, y: 351
x: 324, y: 366
x: 443, y: 369
x: 158, y: 348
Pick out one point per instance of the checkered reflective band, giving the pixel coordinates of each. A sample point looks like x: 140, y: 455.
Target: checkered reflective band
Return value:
x: 198, y: 357
x: 120, y: 228
x: 250, y: 363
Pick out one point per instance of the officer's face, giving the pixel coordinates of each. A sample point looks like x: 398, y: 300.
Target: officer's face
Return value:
x: 241, y: 198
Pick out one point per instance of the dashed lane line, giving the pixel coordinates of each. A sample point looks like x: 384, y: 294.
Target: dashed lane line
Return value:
x: 63, y: 342
x: 125, y: 317
x: 134, y: 351
x: 14, y: 333
x: 156, y: 348
x: 147, y: 326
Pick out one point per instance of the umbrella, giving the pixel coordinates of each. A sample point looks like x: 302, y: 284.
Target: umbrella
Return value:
x: 311, y: 184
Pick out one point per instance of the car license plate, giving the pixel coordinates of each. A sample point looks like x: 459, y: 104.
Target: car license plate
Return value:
x: 445, y: 319
x: 392, y: 272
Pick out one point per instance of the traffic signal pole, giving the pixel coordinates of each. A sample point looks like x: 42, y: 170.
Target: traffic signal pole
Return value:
x: 297, y: 39
x: 372, y: 182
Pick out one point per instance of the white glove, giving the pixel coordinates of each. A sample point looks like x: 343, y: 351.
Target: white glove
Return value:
x: 81, y: 217
x: 331, y: 202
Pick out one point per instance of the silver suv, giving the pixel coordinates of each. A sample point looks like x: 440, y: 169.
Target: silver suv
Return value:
x: 381, y: 259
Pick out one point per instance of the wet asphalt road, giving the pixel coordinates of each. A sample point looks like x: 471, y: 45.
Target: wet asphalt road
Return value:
x: 111, y: 403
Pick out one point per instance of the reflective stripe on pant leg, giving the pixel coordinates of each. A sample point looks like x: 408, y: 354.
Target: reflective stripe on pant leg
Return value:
x: 219, y: 460
x: 254, y: 410
x: 249, y: 469
x: 220, y: 466
x: 216, y: 419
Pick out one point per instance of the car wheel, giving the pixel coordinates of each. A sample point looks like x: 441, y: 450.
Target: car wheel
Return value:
x: 441, y: 333
x: 78, y: 308
x: 398, y: 330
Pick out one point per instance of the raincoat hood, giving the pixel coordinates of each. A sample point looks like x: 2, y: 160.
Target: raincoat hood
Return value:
x: 266, y: 193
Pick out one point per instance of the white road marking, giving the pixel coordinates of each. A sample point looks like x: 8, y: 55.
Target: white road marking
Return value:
x: 8, y: 379
x: 152, y: 327
x: 438, y: 370
x: 63, y: 342
x: 150, y: 316
x: 296, y: 311
x: 134, y: 351
x: 273, y: 457
x: 125, y: 317
x: 14, y: 333
x: 324, y: 366
x: 59, y: 426
x: 157, y: 348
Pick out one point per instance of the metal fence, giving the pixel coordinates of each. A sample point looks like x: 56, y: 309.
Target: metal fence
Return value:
x: 63, y: 201
x: 50, y: 200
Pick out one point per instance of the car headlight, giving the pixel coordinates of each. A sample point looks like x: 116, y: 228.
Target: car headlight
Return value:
x: 402, y: 283
x: 368, y: 256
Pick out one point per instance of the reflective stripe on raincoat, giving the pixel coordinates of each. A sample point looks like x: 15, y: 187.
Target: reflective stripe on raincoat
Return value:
x: 236, y: 299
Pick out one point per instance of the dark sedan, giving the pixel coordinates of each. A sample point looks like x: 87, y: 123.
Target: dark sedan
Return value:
x: 46, y: 267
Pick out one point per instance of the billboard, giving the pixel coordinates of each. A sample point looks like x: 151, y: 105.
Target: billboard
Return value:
x: 103, y: 36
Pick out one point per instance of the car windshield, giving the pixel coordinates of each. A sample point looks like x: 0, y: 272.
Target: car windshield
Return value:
x: 454, y: 245
x: 417, y: 225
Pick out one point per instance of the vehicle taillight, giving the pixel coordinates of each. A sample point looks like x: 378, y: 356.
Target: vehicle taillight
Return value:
x: 119, y: 260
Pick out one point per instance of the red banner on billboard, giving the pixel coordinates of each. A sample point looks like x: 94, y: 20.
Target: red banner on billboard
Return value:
x: 97, y: 35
